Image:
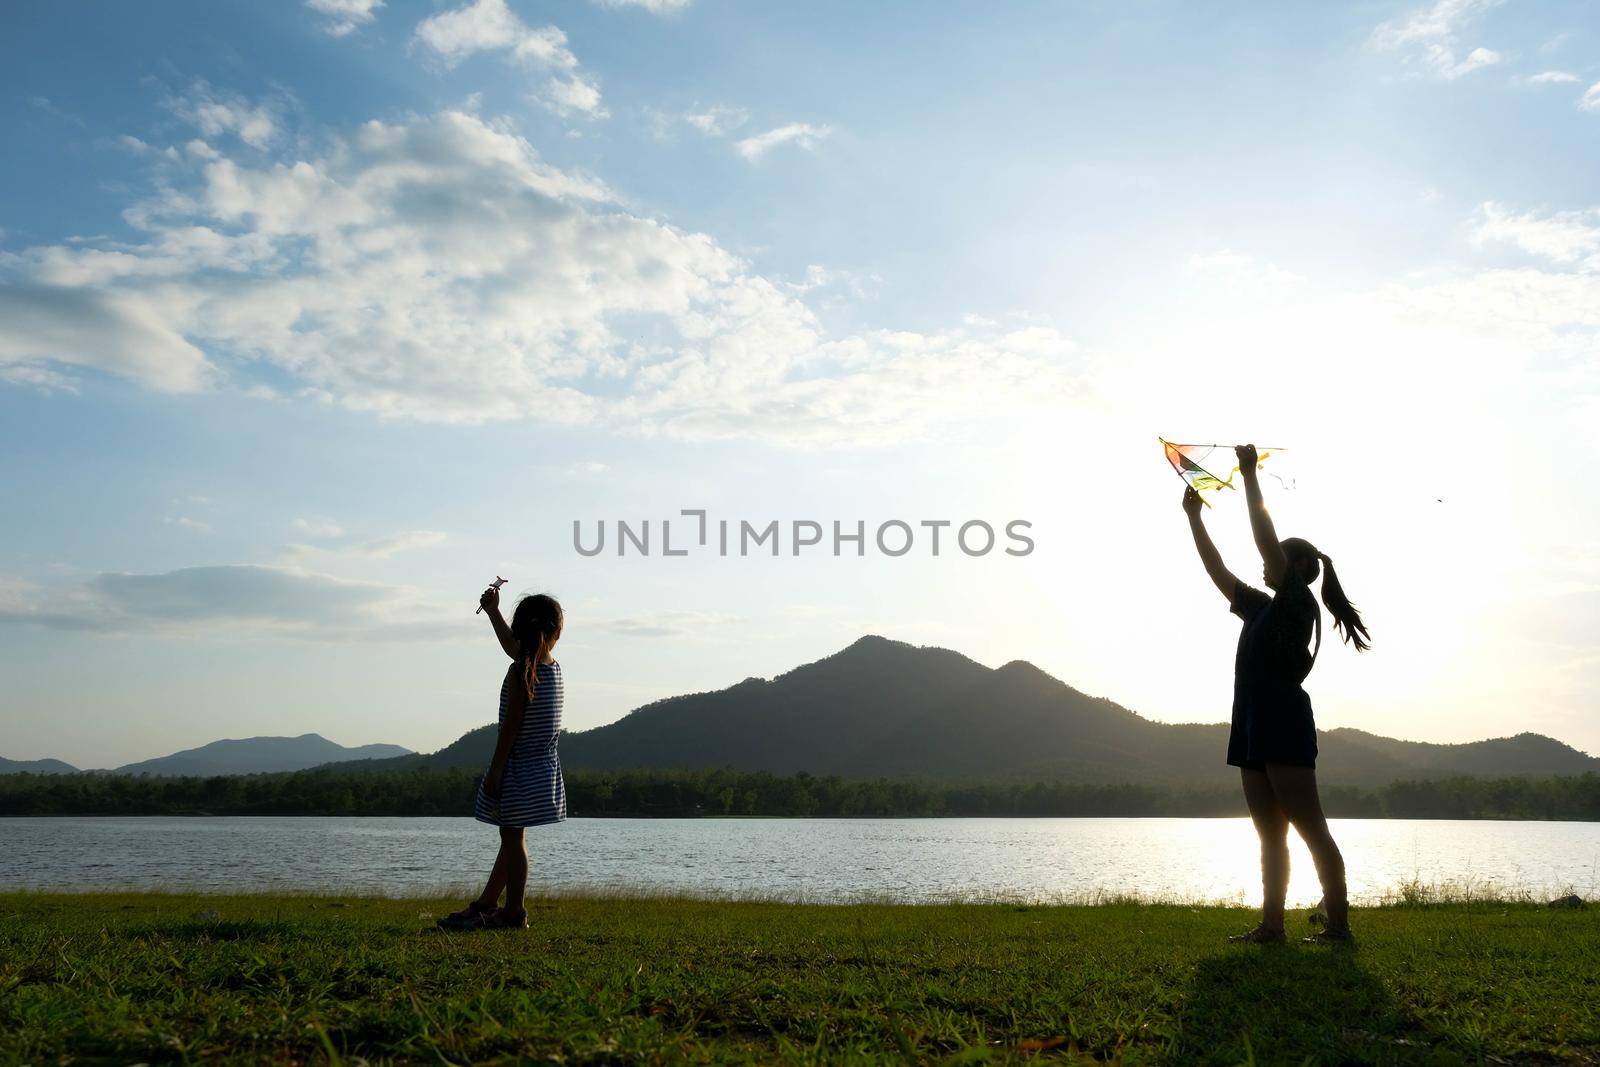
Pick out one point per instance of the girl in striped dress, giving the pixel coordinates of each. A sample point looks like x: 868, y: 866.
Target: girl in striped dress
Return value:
x: 523, y: 786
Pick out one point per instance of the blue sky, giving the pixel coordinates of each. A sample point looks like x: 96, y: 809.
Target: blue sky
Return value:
x: 314, y: 318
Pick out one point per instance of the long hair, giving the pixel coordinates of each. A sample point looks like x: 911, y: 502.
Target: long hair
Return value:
x: 536, y: 625
x: 1304, y: 557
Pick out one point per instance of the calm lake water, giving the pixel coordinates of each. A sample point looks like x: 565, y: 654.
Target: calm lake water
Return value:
x: 812, y: 859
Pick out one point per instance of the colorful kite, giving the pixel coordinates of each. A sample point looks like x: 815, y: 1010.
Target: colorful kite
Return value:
x: 1189, y: 460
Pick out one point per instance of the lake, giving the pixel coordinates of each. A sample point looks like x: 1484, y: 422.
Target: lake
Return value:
x: 916, y: 860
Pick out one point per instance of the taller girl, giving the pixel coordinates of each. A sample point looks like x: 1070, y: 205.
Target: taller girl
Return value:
x: 1273, y: 740
x: 523, y: 786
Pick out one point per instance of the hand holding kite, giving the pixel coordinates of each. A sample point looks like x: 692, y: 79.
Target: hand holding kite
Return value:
x: 491, y: 596
x: 1187, y: 461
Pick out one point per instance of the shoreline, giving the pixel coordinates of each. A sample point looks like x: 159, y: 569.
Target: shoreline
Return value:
x: 1412, y: 893
x: 727, y: 794
x: 785, y: 818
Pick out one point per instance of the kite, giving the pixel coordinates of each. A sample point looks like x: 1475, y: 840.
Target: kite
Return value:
x: 1187, y: 460
x: 498, y: 582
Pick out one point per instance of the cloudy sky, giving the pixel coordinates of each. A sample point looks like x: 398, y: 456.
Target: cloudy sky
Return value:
x: 314, y: 318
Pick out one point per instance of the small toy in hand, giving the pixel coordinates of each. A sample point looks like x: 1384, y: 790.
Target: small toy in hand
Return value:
x: 498, y: 582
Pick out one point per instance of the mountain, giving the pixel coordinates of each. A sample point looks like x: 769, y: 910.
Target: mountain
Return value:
x: 35, y: 766
x: 256, y: 755
x: 882, y: 708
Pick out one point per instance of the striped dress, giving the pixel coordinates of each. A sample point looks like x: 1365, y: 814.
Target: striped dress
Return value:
x: 532, y: 792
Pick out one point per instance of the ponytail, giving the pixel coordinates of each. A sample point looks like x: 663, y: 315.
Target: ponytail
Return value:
x: 530, y: 666
x: 536, y: 625
x: 1346, y: 619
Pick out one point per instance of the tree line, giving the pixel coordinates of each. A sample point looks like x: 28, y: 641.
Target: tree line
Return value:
x: 665, y: 793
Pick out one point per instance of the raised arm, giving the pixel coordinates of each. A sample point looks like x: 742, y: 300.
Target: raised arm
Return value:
x: 490, y: 603
x: 1260, y: 522
x: 1221, y: 577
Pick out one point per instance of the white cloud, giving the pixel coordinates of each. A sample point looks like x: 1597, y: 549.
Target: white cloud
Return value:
x: 816, y: 277
x: 490, y: 26
x: 1566, y: 237
x: 374, y: 548
x: 655, y: 7
x: 231, y: 601
x: 842, y: 284
x: 573, y: 95
x: 344, y: 16
x: 113, y: 331
x: 1430, y: 36
x: 43, y: 379
x: 217, y: 113
x: 1476, y: 59
x: 439, y: 269
x: 800, y: 134
x: 405, y: 540
x: 318, y: 527
x: 141, y: 148
x: 666, y: 624
x: 49, y: 107
x: 718, y: 120
x: 188, y: 523
x: 1552, y: 77
x: 1591, y: 98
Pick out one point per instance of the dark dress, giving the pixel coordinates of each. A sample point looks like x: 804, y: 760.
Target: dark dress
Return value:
x: 1271, y: 713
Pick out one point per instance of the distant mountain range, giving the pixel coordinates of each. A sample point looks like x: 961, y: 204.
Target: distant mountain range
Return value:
x: 250, y: 755
x: 35, y: 766
x: 882, y: 708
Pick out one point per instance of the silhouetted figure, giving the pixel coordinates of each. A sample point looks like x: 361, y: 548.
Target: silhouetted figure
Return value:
x: 523, y: 786
x: 1274, y: 740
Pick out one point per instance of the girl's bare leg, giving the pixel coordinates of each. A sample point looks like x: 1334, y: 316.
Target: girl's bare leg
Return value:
x: 514, y: 849
x: 497, y: 878
x: 1272, y: 826
x: 1296, y: 790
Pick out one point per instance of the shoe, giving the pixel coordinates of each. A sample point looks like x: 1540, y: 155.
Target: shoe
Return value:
x: 1261, y: 935
x: 466, y: 918
x: 1330, y: 935
x: 501, y: 919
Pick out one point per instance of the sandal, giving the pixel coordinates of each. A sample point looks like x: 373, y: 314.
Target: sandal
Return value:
x: 501, y: 919
x: 466, y: 918
x: 1261, y: 935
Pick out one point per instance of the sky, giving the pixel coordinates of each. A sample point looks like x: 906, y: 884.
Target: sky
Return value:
x: 316, y: 317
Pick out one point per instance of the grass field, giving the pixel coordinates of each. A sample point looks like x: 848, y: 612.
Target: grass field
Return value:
x: 114, y: 978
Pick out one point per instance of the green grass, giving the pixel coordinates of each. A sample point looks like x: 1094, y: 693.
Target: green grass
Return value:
x: 124, y: 978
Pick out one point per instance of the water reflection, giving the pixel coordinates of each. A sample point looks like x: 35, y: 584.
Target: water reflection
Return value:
x: 821, y: 859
